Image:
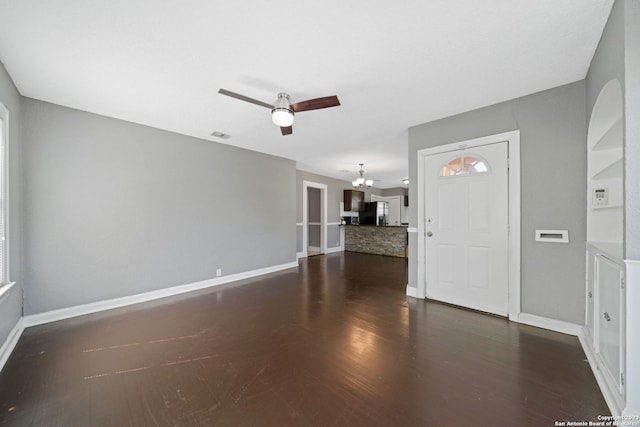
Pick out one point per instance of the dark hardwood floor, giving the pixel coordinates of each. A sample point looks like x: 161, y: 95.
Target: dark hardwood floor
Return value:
x: 336, y: 343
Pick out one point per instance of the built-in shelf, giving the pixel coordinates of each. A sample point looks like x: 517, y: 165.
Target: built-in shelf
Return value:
x: 613, y: 171
x: 605, y: 339
x: 608, y: 207
x: 611, y: 139
x: 605, y: 167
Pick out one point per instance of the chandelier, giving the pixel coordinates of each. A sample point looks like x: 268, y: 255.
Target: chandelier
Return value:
x: 361, y: 182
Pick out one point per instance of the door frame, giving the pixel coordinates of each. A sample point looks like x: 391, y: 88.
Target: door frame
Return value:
x: 305, y: 216
x: 512, y: 139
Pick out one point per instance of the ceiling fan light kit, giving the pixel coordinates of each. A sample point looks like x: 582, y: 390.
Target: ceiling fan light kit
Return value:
x: 282, y: 114
x: 282, y: 111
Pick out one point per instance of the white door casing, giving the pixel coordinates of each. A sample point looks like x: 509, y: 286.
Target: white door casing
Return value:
x: 467, y: 220
x: 512, y: 255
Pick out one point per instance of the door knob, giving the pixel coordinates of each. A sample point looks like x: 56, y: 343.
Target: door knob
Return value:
x: 429, y: 234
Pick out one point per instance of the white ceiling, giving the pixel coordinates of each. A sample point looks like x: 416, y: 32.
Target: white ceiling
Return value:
x: 392, y: 64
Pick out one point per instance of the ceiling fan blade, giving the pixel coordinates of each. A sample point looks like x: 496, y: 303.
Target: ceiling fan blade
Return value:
x: 316, y: 104
x: 245, y: 98
x: 286, y: 130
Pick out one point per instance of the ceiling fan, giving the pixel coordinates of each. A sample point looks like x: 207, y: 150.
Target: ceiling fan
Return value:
x: 282, y: 110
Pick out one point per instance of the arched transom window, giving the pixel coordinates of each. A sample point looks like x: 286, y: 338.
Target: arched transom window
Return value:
x: 464, y: 165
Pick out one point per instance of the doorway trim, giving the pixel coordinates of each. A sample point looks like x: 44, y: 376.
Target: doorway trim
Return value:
x: 305, y: 216
x: 513, y: 143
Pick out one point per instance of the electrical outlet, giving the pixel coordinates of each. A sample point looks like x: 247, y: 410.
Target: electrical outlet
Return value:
x: 218, y: 272
x: 337, y: 243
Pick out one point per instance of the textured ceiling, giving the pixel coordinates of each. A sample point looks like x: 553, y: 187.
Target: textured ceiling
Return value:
x: 392, y: 64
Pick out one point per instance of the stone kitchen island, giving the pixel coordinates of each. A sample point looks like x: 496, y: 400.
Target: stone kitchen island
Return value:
x: 371, y: 239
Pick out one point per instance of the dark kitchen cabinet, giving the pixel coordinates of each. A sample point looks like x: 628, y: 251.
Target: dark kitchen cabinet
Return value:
x: 353, y: 200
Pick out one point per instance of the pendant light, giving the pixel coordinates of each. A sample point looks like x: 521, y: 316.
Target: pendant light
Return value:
x: 360, y: 181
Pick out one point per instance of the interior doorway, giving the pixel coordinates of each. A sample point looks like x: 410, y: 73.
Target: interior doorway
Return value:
x: 313, y: 221
x: 314, y: 218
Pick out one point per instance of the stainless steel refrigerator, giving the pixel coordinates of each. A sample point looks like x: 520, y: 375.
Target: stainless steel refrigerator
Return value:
x: 375, y: 213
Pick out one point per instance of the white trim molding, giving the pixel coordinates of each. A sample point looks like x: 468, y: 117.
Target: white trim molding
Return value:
x: 334, y: 250
x: 10, y: 343
x: 79, y: 310
x: 412, y: 229
x: 412, y: 291
x: 512, y: 139
x: 550, y: 324
x: 4, y: 290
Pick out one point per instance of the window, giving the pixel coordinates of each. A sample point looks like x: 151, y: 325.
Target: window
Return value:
x: 464, y: 165
x: 4, y: 134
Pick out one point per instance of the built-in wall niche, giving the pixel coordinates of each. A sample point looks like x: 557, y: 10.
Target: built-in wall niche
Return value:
x: 605, y: 173
x: 605, y: 320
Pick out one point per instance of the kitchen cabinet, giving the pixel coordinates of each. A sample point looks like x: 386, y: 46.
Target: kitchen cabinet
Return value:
x: 353, y: 200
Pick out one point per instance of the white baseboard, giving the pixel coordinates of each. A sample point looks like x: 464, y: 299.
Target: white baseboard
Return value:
x: 313, y: 249
x: 551, y: 324
x: 328, y: 251
x: 10, y: 343
x: 333, y: 250
x: 412, y: 291
x: 609, y: 397
x: 79, y: 310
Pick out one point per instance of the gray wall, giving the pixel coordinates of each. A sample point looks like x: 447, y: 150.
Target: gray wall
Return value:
x: 11, y: 303
x: 335, y: 188
x: 114, y: 208
x: 552, y: 128
x: 396, y: 191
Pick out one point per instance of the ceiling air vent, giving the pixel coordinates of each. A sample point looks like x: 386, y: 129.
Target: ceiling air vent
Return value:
x: 220, y: 135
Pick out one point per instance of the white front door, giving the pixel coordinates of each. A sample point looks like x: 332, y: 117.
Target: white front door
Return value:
x: 466, y: 214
